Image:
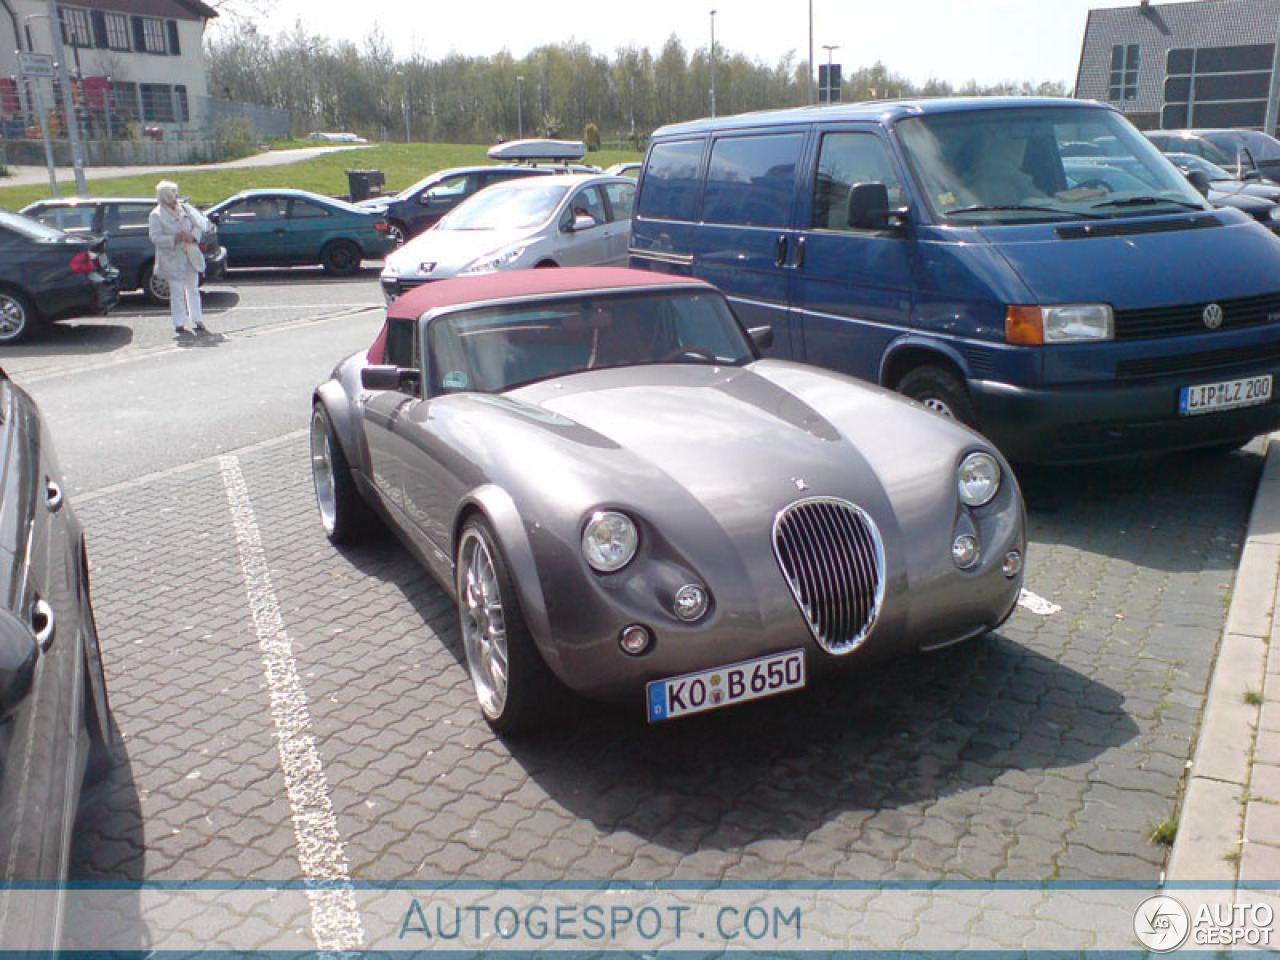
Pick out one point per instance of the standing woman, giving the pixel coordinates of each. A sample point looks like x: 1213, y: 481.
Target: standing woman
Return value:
x: 175, y: 228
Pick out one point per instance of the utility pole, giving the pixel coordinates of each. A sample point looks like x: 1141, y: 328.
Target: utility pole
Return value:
x: 73, y: 122
x: 809, y: 66
x: 713, y: 63
x: 519, y: 108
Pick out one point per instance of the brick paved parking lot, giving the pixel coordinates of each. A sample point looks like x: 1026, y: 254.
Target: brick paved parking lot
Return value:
x: 1044, y: 751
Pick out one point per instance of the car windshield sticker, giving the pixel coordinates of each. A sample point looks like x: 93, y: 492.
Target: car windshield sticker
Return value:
x: 455, y: 380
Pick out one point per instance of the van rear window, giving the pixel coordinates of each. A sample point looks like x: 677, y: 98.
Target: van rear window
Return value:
x: 670, y: 190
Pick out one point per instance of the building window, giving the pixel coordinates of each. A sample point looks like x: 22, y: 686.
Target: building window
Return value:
x: 149, y: 35
x: 125, y: 94
x: 1124, y: 73
x: 77, y: 30
x: 117, y: 29
x: 157, y: 102
x: 184, y: 108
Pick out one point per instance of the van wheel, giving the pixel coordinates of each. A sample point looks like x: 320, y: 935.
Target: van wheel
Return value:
x: 940, y: 391
x: 156, y: 288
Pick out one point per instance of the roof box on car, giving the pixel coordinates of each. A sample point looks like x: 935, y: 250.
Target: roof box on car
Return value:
x: 532, y: 151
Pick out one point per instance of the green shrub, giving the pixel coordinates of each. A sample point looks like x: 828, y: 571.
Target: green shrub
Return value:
x: 591, y: 137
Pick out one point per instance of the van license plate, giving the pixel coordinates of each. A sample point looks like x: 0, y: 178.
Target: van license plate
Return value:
x: 1228, y: 395
x: 722, y: 686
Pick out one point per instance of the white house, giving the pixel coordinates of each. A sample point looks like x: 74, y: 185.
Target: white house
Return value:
x: 137, y: 63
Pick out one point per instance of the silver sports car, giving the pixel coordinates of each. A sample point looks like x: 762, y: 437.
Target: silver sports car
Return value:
x: 628, y: 501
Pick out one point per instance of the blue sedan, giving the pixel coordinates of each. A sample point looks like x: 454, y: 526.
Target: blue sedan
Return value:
x: 286, y: 228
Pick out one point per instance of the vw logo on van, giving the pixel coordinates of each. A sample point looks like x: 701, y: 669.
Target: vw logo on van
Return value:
x: 1212, y: 316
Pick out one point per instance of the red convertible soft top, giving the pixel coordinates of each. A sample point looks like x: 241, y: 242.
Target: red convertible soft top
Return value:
x: 517, y: 283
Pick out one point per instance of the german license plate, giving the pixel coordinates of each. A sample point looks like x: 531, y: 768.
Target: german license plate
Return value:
x: 1227, y: 395
x: 723, y: 686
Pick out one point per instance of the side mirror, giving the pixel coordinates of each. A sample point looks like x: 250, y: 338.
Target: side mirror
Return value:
x: 1200, y: 180
x: 215, y: 218
x: 1251, y: 175
x: 387, y: 377
x: 582, y: 222
x: 762, y: 337
x: 869, y: 206
x: 19, y: 652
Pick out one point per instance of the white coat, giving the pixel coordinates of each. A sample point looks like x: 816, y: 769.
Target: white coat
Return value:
x: 177, y: 262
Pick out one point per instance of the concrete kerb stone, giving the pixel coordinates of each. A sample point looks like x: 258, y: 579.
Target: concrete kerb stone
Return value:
x: 1211, y: 823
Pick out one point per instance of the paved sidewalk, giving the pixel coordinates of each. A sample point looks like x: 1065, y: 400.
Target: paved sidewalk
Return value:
x: 1229, y: 827
x: 23, y: 176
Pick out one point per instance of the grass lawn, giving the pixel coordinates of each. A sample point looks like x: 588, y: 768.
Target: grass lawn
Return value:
x: 403, y: 164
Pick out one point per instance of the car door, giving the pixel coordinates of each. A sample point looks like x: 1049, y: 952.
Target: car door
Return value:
x: 309, y: 226
x: 577, y: 243
x: 383, y: 410
x: 620, y: 198
x: 253, y: 230
x: 853, y: 288
x: 128, y: 244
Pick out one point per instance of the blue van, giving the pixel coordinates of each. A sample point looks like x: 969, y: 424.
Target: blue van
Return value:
x: 943, y: 249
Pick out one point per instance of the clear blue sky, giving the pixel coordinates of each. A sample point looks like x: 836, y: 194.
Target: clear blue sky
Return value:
x: 953, y: 40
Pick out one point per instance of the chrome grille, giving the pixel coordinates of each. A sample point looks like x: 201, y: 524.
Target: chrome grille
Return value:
x: 833, y: 559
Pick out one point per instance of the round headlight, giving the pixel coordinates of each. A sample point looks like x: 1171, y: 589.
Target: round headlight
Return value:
x: 609, y: 541
x: 978, y: 479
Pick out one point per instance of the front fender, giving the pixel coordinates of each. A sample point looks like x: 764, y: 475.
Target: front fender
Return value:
x: 914, y: 343
x: 508, y: 526
x: 341, y: 398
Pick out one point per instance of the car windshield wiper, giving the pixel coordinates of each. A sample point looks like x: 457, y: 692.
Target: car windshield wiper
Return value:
x: 1022, y: 207
x: 1147, y: 201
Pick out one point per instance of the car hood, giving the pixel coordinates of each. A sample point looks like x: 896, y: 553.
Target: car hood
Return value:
x: 740, y: 442
x: 451, y: 250
x: 1102, y: 262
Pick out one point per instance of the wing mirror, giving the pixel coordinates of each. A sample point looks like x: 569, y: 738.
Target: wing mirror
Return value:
x: 387, y: 377
x: 214, y: 218
x: 869, y: 208
x: 762, y: 337
x: 582, y: 222
x: 1200, y: 180
x: 19, y: 651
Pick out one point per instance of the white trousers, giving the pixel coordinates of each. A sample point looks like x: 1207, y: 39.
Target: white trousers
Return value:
x: 184, y: 301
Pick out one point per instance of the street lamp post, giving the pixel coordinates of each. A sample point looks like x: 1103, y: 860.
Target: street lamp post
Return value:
x: 812, y: 71
x: 519, y: 108
x: 829, y: 47
x: 73, y: 123
x: 713, y: 63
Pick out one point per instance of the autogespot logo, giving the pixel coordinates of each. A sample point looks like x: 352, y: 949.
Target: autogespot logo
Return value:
x: 1161, y: 924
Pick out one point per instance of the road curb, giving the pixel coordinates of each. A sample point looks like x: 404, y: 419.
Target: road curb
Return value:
x: 1211, y: 833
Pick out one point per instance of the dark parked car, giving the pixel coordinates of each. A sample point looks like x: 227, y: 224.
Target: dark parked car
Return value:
x: 415, y: 208
x: 1243, y: 152
x: 287, y: 228
x: 47, y: 274
x: 55, y: 723
x: 1258, y: 198
x: 123, y: 222
x: 627, y: 501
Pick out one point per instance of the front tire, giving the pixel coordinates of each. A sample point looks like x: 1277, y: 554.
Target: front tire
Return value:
x: 941, y: 391
x: 345, y: 516
x: 514, y: 687
x: 17, y: 316
x: 340, y: 258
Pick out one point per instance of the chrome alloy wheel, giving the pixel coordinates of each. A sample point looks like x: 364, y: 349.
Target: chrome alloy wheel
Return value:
x: 322, y: 471
x: 13, y: 318
x: 484, y: 627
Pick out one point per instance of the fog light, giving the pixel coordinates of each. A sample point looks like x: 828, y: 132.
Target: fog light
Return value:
x: 690, y: 603
x: 1012, y: 565
x: 635, y: 639
x: 964, y: 551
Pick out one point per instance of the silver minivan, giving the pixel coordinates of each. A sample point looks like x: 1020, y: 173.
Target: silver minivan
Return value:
x: 558, y: 221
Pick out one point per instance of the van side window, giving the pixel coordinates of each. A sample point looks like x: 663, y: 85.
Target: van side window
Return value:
x: 751, y: 180
x: 843, y: 160
x: 671, y: 181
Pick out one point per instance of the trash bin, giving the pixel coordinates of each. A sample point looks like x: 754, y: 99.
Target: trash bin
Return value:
x: 364, y: 184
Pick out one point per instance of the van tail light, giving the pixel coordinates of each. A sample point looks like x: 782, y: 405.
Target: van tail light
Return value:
x: 382, y: 226
x: 82, y: 262
x: 1023, y: 326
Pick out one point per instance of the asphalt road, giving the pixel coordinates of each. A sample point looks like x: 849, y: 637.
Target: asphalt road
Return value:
x: 126, y: 399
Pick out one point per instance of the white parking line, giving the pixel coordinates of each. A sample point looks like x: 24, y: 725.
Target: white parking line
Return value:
x: 335, y: 920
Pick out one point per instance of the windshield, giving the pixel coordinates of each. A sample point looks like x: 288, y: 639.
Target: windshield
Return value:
x: 1006, y: 166
x: 520, y: 205
x: 492, y: 349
